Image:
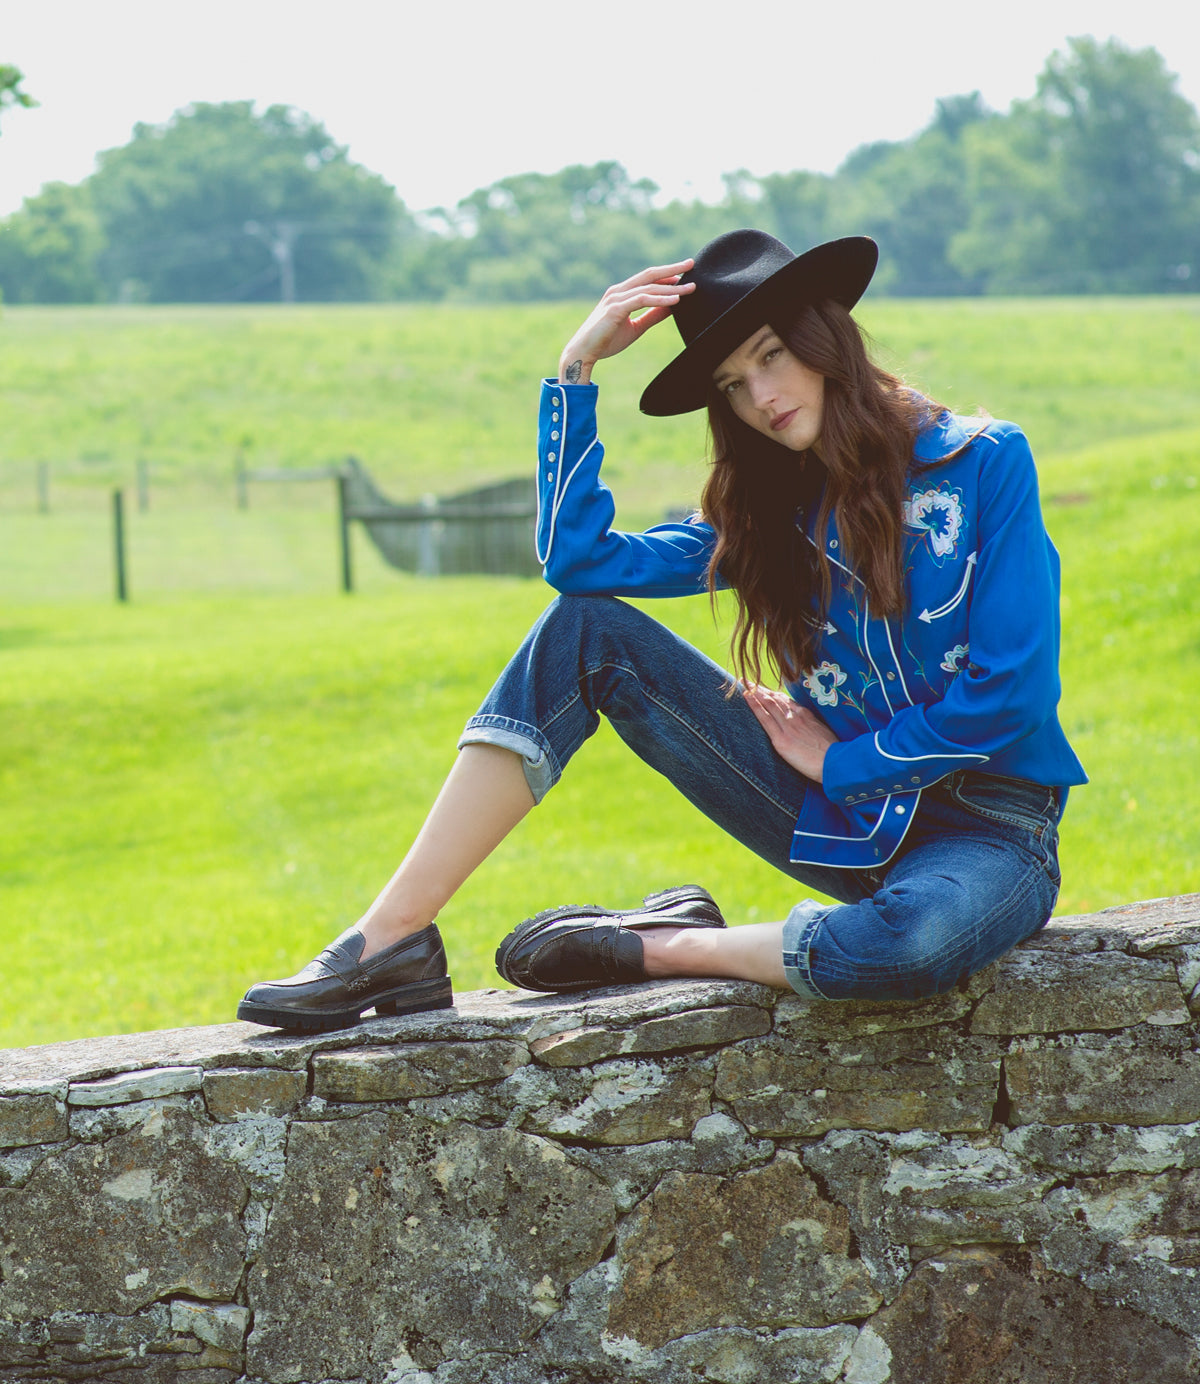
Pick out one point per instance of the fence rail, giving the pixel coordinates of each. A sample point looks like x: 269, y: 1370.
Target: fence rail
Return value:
x: 488, y: 529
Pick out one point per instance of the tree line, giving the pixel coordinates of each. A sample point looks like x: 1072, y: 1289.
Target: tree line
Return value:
x: 1091, y: 185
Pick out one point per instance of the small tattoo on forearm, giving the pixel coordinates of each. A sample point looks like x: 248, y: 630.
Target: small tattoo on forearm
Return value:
x: 573, y: 372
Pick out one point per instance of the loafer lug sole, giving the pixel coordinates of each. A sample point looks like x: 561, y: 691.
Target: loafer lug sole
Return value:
x: 415, y: 998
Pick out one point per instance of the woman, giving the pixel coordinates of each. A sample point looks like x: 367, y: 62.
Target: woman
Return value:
x: 889, y: 563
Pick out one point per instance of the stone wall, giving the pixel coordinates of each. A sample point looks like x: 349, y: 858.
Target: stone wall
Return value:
x: 680, y: 1182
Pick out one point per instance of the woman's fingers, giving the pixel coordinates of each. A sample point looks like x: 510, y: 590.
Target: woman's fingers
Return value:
x: 798, y: 735
x: 771, y: 716
x: 611, y: 325
x: 656, y: 274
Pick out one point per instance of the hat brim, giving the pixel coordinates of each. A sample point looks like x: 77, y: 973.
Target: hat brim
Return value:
x: 838, y: 269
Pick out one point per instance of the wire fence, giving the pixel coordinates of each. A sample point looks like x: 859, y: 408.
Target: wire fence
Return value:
x: 238, y: 529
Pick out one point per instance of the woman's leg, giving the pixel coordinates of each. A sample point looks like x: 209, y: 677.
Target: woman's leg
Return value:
x: 968, y: 885
x: 753, y: 951
x: 589, y: 657
x: 484, y: 797
x: 978, y: 873
x: 593, y: 656
x: 583, y: 657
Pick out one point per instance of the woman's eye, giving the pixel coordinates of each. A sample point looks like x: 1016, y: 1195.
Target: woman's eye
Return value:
x: 731, y: 386
x: 772, y: 353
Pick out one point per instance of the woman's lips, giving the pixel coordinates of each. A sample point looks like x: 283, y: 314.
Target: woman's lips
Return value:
x: 782, y: 420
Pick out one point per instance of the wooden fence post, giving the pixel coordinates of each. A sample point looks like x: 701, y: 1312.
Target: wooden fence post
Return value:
x: 118, y: 505
x: 344, y: 531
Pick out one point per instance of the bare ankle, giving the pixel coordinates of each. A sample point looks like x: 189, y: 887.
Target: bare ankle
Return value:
x: 385, y: 931
x: 675, y: 951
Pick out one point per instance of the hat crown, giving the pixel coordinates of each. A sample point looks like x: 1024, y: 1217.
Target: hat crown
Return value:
x: 726, y: 270
x: 745, y: 279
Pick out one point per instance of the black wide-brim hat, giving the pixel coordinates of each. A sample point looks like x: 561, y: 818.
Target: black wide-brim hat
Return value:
x: 745, y: 279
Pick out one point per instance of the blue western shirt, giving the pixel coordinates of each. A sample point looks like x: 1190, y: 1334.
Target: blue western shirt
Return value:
x: 967, y: 678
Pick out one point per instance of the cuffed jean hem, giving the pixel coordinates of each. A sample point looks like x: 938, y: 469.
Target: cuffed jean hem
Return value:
x: 542, y: 770
x: 799, y: 929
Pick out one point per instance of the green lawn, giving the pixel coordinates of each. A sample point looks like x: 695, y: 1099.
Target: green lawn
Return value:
x: 439, y: 398
x: 198, y: 789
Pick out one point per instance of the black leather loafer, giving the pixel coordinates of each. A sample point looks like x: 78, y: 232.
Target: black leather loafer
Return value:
x: 334, y: 989
x: 577, y: 948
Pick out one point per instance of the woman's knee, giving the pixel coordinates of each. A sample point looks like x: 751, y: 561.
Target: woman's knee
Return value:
x: 893, y: 947
x: 603, y: 628
x: 589, y: 613
x: 910, y: 943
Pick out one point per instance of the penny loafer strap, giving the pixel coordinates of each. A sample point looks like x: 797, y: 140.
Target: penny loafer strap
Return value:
x: 620, y: 966
x: 347, y: 970
x: 604, y: 939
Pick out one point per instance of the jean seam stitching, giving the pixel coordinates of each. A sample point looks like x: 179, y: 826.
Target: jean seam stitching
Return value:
x: 1032, y: 824
x: 788, y: 811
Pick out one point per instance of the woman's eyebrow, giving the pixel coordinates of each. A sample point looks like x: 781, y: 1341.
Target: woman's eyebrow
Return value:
x: 755, y: 345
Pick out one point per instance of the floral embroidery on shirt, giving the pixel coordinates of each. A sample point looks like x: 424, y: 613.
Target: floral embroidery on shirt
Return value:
x: 955, y: 659
x: 938, y: 514
x: 823, y: 683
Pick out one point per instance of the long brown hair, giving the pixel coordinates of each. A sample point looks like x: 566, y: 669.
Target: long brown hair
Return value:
x: 782, y: 581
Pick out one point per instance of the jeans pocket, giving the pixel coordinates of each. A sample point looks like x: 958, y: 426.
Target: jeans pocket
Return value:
x: 1013, y: 802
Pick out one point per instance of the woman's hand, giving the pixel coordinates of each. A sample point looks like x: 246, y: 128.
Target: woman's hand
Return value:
x: 610, y: 326
x: 799, y: 735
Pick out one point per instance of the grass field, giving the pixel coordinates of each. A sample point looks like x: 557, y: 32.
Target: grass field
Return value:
x: 198, y: 789
x: 438, y: 398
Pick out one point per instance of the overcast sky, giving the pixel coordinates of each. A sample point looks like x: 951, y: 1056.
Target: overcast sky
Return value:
x: 442, y: 98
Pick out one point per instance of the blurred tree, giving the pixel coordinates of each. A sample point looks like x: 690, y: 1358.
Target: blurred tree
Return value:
x: 48, y: 249
x: 557, y: 235
x: 226, y: 203
x: 912, y: 197
x: 1092, y: 185
x: 10, y: 87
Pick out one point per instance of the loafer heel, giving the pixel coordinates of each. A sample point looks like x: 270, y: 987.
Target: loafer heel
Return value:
x: 415, y: 999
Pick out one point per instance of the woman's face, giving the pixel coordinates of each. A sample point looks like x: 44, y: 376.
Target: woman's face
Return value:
x: 773, y: 392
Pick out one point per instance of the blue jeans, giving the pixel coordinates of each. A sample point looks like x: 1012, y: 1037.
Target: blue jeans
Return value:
x: 976, y: 874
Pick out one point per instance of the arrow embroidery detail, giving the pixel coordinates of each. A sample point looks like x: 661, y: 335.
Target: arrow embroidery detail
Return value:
x: 930, y: 615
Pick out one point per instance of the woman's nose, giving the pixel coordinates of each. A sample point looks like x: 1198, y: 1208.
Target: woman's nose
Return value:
x: 762, y: 392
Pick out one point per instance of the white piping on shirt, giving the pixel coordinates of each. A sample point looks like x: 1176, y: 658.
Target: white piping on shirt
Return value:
x: 866, y: 642
x: 560, y: 488
x: 916, y: 758
x: 860, y: 840
x: 896, y: 661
